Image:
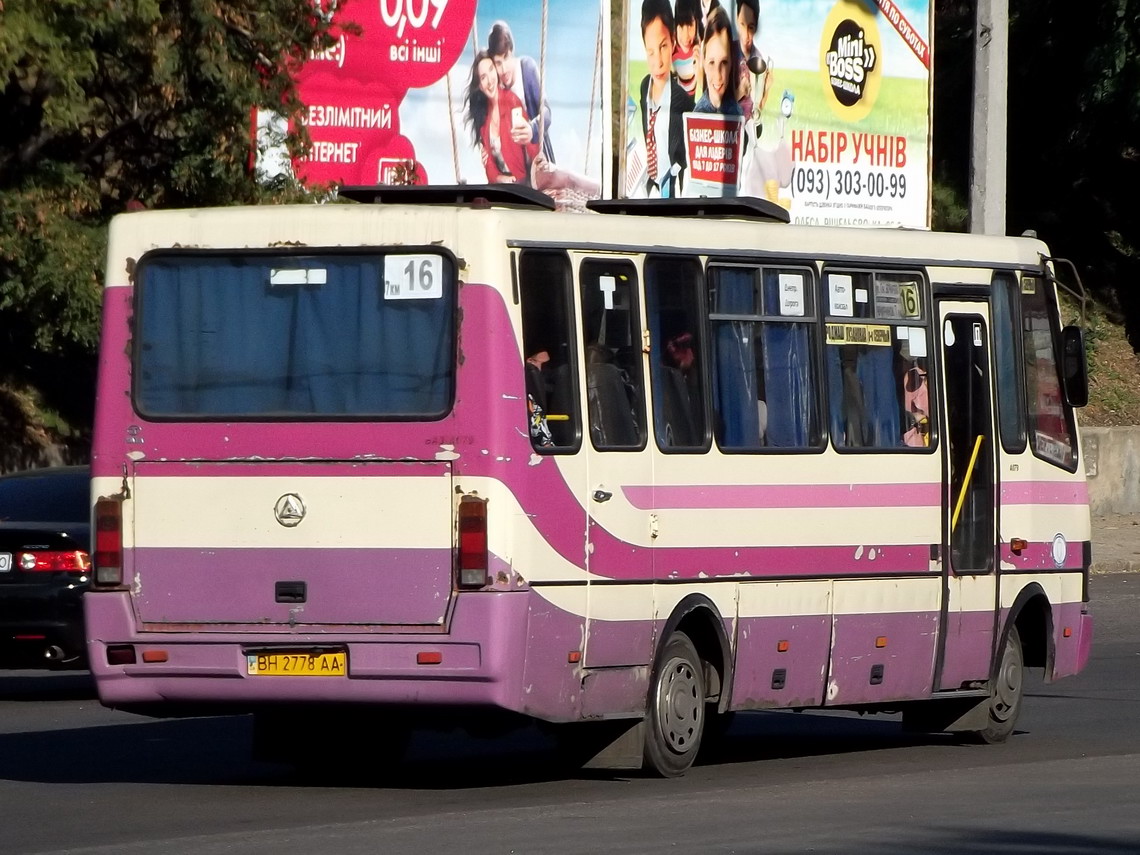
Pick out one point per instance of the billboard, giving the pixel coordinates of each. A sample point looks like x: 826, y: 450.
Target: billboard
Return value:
x: 458, y: 91
x: 822, y: 106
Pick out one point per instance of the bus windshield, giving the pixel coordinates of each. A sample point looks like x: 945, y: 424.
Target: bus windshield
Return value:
x: 335, y: 336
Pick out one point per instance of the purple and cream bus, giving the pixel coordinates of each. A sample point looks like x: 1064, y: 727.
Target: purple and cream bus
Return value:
x: 445, y: 452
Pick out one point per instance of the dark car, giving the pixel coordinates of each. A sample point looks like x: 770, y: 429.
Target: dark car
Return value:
x: 45, y: 535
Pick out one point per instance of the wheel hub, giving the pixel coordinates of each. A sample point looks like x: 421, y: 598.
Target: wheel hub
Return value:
x: 680, y: 705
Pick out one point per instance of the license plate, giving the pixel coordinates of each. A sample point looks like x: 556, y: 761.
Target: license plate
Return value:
x: 297, y: 664
x: 5, y: 562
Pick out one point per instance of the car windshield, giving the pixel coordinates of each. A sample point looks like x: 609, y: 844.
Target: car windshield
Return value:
x: 50, y: 496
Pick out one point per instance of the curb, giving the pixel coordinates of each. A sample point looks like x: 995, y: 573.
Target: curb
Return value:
x: 1115, y: 565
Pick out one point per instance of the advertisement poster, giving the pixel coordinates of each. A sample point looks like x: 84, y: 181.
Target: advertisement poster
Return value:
x: 459, y: 91
x: 821, y: 106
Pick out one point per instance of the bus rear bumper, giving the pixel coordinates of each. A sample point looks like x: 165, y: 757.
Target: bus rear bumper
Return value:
x: 478, y: 662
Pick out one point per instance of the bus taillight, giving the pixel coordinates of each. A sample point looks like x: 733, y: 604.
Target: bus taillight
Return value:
x: 471, y: 560
x: 108, y: 542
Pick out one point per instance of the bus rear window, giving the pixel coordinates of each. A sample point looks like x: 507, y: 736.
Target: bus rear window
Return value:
x: 262, y: 336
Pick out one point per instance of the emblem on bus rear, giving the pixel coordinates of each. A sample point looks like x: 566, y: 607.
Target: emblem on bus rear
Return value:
x: 289, y: 510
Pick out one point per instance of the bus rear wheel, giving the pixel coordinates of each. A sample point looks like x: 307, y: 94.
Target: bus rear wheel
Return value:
x: 1006, y: 693
x: 675, y: 719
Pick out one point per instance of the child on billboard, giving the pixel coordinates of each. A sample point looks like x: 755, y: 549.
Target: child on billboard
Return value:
x: 663, y: 102
x: 713, y: 131
x: 689, y: 22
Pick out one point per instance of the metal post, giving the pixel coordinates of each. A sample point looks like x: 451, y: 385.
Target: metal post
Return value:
x: 988, y: 152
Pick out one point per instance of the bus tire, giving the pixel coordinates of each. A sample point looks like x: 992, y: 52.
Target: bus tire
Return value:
x: 1006, y: 692
x: 675, y: 717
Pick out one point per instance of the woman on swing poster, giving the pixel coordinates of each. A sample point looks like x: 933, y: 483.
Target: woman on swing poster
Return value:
x: 458, y: 92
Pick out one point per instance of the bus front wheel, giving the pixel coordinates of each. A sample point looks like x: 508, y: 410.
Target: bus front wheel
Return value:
x: 1006, y: 692
x: 675, y: 719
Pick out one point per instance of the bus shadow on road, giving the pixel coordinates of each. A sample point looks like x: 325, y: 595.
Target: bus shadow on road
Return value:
x: 217, y: 751
x: 951, y: 840
x: 33, y: 686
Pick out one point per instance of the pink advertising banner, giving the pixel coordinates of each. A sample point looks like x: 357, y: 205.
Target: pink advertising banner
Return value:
x: 458, y: 91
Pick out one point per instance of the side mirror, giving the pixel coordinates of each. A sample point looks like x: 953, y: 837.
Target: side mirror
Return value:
x: 1074, y: 367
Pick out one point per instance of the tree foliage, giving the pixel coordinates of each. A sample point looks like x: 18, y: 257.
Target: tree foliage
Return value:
x: 1074, y: 131
x: 111, y: 104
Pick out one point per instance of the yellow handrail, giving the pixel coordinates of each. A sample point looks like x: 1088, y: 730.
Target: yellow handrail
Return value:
x: 966, y: 483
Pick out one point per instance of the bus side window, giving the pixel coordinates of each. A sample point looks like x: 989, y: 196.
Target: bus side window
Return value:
x: 1007, y: 363
x: 677, y: 353
x: 546, y: 295
x: 1050, y: 418
x: 612, y: 333
x: 764, y: 374
x: 877, y: 360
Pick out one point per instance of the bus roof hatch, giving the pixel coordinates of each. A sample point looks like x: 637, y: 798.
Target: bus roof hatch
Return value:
x: 475, y: 195
x: 735, y: 207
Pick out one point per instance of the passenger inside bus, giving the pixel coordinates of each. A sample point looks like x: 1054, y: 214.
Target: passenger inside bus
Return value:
x: 611, y: 398
x: 536, y: 398
x: 681, y: 392
x: 916, y: 406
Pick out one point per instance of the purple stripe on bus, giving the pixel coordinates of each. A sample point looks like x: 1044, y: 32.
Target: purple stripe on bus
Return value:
x: 297, y: 469
x: 342, y: 586
x: 969, y: 649
x: 906, y: 661
x: 1044, y: 493
x: 768, y: 677
x: 726, y: 496
x: 674, y: 563
x: 1071, y: 654
x: 1039, y: 556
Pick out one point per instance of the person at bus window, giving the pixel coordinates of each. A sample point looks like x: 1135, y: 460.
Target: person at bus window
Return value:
x: 539, y: 428
x: 663, y: 102
x: 716, y: 59
x: 681, y: 393
x: 916, y: 405
x: 491, y: 112
x: 522, y: 76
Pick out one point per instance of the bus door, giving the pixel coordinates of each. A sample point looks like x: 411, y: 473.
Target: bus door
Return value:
x: 618, y: 558
x: 970, y: 490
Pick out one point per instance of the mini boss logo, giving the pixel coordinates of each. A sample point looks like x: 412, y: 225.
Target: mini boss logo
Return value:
x: 849, y: 60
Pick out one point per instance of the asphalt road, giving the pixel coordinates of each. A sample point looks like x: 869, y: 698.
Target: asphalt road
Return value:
x: 75, y: 777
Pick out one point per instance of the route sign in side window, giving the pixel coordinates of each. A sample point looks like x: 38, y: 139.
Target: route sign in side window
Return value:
x: 877, y: 357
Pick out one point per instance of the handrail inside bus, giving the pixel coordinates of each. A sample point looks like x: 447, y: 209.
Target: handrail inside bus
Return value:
x: 1079, y: 294
x: 475, y: 195
x: 735, y: 207
x: 966, y: 482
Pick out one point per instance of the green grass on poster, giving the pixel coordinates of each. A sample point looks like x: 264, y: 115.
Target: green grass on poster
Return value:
x: 900, y: 109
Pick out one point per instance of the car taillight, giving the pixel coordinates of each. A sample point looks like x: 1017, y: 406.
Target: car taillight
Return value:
x: 471, y: 560
x: 108, y: 542
x: 54, y: 561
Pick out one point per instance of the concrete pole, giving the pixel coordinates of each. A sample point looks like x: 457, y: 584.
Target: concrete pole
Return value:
x: 988, y: 151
